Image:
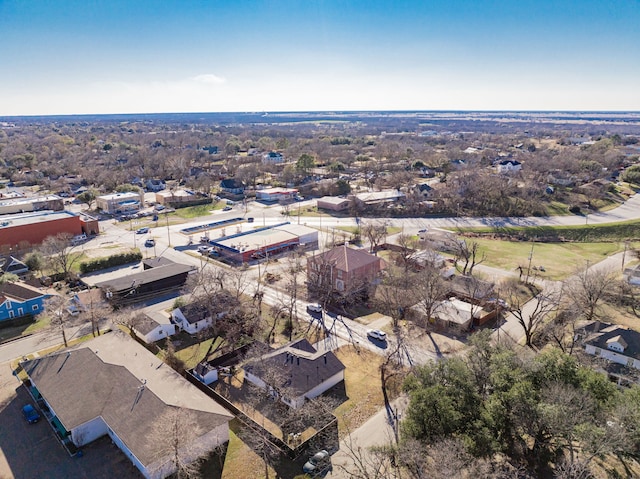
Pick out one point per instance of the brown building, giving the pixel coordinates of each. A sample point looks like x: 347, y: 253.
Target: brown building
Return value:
x: 343, y: 270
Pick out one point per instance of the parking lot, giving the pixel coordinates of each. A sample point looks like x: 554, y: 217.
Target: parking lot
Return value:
x: 30, y: 451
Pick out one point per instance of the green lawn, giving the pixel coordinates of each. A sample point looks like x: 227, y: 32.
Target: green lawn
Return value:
x: 614, y: 232
x: 198, y: 211
x: 558, y: 259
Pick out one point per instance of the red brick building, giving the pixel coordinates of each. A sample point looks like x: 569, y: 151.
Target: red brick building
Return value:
x: 20, y: 230
x: 343, y: 270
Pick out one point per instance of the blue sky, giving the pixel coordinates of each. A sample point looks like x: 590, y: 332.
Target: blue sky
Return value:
x: 113, y: 56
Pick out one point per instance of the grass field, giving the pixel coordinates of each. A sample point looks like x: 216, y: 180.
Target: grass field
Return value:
x: 558, y: 259
x: 198, y: 211
x: 622, y: 231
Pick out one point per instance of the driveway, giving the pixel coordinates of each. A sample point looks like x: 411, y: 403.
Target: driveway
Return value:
x: 30, y: 451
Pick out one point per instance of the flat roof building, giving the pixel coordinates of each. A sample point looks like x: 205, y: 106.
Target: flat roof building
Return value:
x: 262, y: 242
x: 18, y: 231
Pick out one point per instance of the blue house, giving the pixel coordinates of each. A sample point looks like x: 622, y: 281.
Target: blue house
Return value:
x: 19, y: 299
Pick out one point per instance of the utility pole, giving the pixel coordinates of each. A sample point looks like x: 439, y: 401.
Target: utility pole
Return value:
x: 166, y: 215
x: 529, y: 267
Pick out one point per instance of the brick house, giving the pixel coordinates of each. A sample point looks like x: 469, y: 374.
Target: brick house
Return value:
x: 343, y: 270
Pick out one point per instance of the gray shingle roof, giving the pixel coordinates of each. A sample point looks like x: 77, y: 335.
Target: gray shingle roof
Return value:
x: 83, y: 383
x: 613, y: 332
x: 301, y: 368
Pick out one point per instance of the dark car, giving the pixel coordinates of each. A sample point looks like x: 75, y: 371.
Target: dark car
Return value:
x: 316, y: 463
x: 30, y: 414
x: 249, y: 220
x: 150, y: 243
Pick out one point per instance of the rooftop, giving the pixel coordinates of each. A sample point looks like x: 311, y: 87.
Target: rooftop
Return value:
x: 345, y: 258
x: 300, y: 365
x: 147, y: 276
x: 20, y: 219
x: 115, y: 378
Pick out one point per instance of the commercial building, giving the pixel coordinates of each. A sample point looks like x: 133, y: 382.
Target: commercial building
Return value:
x: 333, y: 203
x: 25, y: 205
x: 271, y: 195
x: 18, y: 231
x: 262, y: 242
x: 117, y: 203
x: 154, y: 281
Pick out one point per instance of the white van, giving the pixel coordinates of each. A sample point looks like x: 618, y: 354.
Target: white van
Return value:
x: 79, y: 239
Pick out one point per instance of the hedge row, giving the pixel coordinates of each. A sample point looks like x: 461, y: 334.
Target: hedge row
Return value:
x: 110, y: 262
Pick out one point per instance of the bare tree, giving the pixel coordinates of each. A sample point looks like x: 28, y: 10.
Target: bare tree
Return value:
x: 59, y: 253
x: 94, y: 310
x: 468, y: 253
x: 176, y: 432
x: 368, y: 463
x: 587, y: 289
x: 56, y: 308
x: 429, y: 289
x: 375, y: 233
x: 530, y: 313
x: 129, y: 318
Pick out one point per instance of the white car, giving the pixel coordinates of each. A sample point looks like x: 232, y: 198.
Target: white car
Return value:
x: 377, y: 334
x: 314, y: 308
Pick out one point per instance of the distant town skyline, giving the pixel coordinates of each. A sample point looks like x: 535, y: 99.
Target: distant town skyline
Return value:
x: 115, y: 56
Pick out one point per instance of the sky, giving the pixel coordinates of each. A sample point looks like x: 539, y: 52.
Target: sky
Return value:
x: 155, y: 56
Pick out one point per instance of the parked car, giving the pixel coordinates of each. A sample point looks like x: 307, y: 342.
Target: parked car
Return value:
x: 317, y: 462
x: 214, y: 253
x: 159, y: 207
x: 314, y: 308
x: 30, y: 414
x: 203, y: 249
x: 376, y: 334
x: 150, y: 243
x: 250, y: 220
x: 227, y: 208
x: 142, y: 231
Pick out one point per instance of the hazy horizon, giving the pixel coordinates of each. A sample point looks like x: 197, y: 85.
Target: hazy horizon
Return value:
x: 117, y: 57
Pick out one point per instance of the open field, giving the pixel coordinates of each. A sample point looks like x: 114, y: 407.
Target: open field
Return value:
x: 558, y: 259
x: 624, y: 230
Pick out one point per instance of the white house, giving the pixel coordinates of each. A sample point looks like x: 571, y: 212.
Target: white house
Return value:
x: 508, y: 166
x: 616, y: 344
x: 113, y: 386
x: 295, y: 372
x: 193, y: 318
x: 154, y: 326
x: 272, y: 157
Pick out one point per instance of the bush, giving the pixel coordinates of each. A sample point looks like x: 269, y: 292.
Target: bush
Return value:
x: 109, y: 262
x: 575, y: 209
